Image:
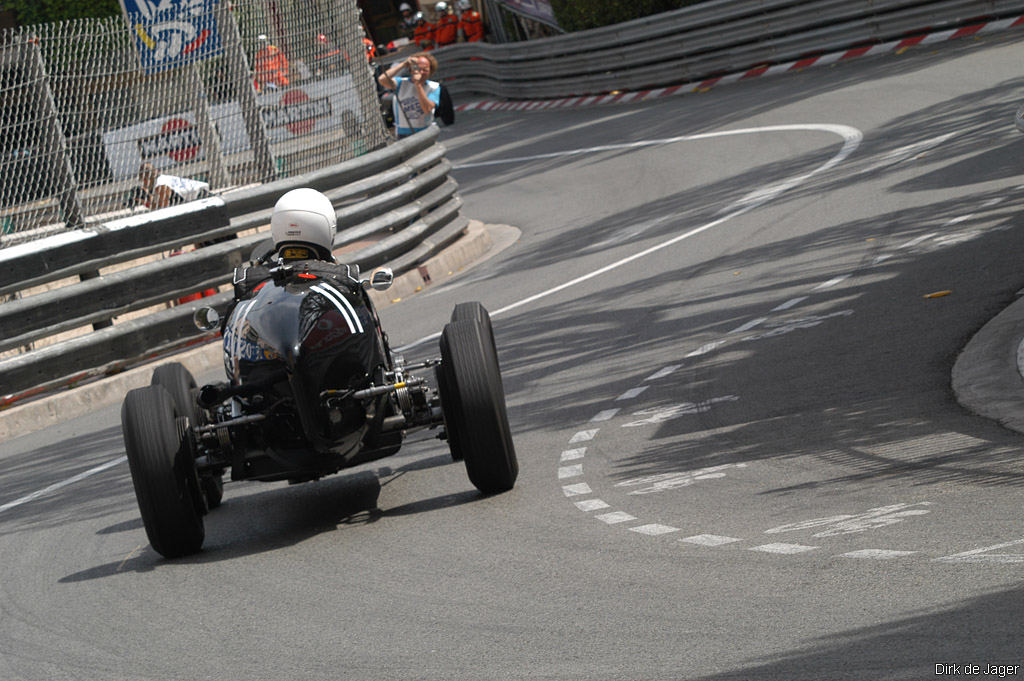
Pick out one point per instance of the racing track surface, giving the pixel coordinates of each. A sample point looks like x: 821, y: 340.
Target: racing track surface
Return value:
x: 740, y: 454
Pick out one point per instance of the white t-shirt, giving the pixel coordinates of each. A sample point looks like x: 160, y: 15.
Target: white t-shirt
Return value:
x: 409, y: 115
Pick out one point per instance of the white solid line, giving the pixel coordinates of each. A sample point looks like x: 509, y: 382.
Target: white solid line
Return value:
x: 64, y: 483
x: 591, y: 505
x: 831, y: 282
x: 573, y: 454
x: 605, y: 415
x: 789, y: 303
x: 749, y: 325
x: 616, y: 517
x: 662, y: 373
x: 583, y: 436
x: 851, y: 141
x: 883, y: 554
x: 709, y: 540
x: 654, y: 529
x: 576, y: 490
x: 631, y: 393
x: 783, y: 548
x: 570, y: 471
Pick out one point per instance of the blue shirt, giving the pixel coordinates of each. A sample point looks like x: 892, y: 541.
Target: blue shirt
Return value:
x: 409, y: 115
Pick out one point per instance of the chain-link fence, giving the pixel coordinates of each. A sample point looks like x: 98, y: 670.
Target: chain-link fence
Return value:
x: 210, y: 96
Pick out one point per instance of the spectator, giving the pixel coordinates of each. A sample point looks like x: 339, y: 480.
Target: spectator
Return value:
x: 447, y: 26
x: 407, y: 23
x: 271, y: 66
x: 424, y: 35
x: 416, y: 96
x: 157, y: 190
x: 471, y: 24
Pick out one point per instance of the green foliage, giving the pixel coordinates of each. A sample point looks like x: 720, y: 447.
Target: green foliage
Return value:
x: 577, y: 15
x: 49, y: 11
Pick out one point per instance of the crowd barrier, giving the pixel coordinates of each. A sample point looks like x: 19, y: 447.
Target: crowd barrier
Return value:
x: 697, y: 43
x: 395, y: 206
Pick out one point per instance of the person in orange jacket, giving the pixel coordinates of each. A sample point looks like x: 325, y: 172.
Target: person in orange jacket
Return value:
x: 423, y: 36
x: 471, y: 24
x: 271, y: 66
x: 447, y: 31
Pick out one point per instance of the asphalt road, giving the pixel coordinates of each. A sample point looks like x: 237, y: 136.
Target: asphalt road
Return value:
x: 726, y: 338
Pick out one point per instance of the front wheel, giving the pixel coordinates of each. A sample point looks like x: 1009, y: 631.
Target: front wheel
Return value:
x: 163, y: 471
x: 473, y: 402
x: 178, y: 381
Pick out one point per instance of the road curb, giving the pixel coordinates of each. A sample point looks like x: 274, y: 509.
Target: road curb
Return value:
x: 78, y: 401
x: 986, y: 376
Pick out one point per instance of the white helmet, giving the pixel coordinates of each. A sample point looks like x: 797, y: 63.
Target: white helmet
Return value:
x: 441, y: 7
x: 464, y: 5
x: 305, y: 217
x: 404, y: 7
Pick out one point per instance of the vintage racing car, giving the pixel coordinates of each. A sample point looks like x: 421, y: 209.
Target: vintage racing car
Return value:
x: 313, y: 388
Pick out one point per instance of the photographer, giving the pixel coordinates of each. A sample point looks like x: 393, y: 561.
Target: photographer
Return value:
x: 416, y: 96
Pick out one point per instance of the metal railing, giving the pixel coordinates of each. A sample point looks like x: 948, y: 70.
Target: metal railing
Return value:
x: 267, y: 90
x: 390, y: 203
x: 696, y: 43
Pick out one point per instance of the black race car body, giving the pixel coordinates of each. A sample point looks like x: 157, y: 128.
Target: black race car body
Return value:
x: 312, y: 388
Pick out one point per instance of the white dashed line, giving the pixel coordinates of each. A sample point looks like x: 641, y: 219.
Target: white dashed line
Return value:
x: 831, y: 282
x: 606, y: 415
x: 792, y: 302
x: 706, y: 348
x: 709, y: 540
x: 577, y: 490
x: 749, y: 325
x: 591, y: 505
x: 662, y: 373
x: 571, y: 454
x: 570, y: 471
x: 616, y: 517
x: 914, y: 242
x: 583, y: 436
x: 630, y: 394
x: 783, y: 548
x: 654, y: 529
x: 883, y: 554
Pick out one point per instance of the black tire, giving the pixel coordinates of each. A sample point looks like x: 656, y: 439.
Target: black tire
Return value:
x: 163, y: 472
x: 180, y: 383
x: 475, y: 406
x: 177, y: 380
x: 475, y: 311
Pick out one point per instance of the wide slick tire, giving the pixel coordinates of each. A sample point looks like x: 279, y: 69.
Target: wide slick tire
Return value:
x: 163, y: 472
x: 474, y: 406
x: 182, y: 386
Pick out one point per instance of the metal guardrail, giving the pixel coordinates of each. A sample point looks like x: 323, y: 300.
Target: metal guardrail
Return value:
x: 400, y: 198
x: 697, y: 42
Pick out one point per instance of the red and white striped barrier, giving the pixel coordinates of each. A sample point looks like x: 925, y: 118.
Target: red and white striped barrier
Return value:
x: 893, y: 47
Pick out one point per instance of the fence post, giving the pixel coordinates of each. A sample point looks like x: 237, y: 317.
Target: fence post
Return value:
x: 55, y: 144
x: 240, y: 76
x: 218, y: 174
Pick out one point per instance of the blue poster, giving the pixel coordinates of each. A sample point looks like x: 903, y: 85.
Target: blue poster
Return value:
x: 171, y: 33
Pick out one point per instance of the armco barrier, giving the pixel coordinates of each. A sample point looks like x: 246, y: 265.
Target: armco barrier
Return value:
x: 399, y: 199
x: 695, y: 43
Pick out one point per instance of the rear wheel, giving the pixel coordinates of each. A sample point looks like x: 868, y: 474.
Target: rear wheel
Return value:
x: 473, y: 401
x: 163, y: 471
x: 179, y: 382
